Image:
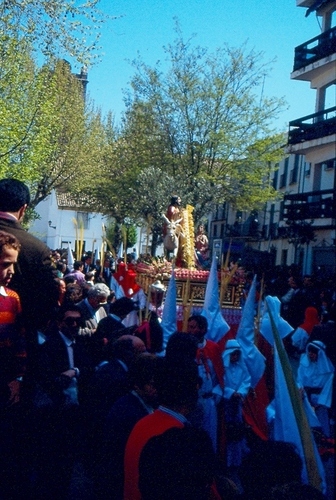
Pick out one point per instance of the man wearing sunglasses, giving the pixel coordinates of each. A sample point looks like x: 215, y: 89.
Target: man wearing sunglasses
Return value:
x: 64, y: 369
x: 64, y: 362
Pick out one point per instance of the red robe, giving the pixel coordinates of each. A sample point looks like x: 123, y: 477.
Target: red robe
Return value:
x: 151, y: 425
x: 212, y: 351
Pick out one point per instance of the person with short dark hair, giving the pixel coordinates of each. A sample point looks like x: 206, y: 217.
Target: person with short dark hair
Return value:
x: 177, y: 388
x: 73, y: 293
x: 269, y: 464
x: 178, y: 464
x: 64, y: 371
x: 181, y: 348
x: 89, y: 278
x: 14, y: 195
x: 34, y: 278
x: 87, y: 263
x: 60, y: 268
x: 77, y: 272
x: 121, y: 419
x: 111, y: 327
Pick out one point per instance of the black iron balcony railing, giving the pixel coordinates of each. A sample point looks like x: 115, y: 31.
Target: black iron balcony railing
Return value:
x: 313, y: 126
x: 315, y: 49
x: 312, y: 205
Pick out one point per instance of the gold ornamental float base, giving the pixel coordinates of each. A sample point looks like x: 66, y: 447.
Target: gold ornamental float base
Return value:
x: 193, y: 291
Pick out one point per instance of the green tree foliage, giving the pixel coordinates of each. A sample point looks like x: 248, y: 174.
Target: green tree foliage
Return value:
x: 55, y: 27
x: 113, y: 236
x: 68, y: 138
x: 205, y: 124
x: 131, y: 235
x: 201, y: 129
x: 118, y: 234
x: 48, y: 138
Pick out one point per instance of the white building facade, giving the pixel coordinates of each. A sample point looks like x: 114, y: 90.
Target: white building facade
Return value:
x: 60, y: 222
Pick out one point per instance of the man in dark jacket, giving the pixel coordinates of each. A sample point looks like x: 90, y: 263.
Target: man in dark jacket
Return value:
x: 123, y: 415
x: 111, y: 327
x: 64, y: 370
x: 33, y: 279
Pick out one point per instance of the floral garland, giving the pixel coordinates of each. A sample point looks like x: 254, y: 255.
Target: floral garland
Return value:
x: 160, y: 268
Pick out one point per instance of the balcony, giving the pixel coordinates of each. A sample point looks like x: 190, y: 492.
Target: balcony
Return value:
x: 315, y: 49
x: 313, y: 126
x: 310, y: 206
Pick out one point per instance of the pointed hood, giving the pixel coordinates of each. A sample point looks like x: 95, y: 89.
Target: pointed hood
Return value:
x: 217, y: 326
x: 284, y: 328
x: 253, y: 358
x: 70, y: 259
x: 169, y: 316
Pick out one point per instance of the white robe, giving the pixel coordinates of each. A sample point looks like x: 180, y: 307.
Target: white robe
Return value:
x: 300, y: 338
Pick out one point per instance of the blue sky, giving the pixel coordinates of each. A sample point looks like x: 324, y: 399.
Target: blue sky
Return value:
x: 274, y: 27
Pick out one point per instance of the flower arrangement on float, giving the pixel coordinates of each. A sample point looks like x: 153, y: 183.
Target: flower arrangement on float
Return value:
x: 159, y: 267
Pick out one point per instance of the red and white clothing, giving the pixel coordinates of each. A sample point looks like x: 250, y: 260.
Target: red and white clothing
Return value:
x: 125, y: 285
x: 152, y: 425
x: 301, y: 335
x: 211, y: 371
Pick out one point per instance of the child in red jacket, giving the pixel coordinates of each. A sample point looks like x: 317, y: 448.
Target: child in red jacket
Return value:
x: 12, y: 345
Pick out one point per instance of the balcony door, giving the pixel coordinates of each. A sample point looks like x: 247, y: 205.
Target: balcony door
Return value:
x: 317, y: 177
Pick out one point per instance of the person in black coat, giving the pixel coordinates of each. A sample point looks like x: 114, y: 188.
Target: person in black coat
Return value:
x: 122, y: 417
x: 62, y: 359
x: 34, y: 278
x: 111, y: 327
x: 109, y: 382
x: 64, y: 371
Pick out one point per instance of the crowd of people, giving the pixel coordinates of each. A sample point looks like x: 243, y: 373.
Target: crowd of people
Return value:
x: 94, y: 404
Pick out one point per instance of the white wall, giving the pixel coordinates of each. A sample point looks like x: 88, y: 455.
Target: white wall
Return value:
x: 64, y: 229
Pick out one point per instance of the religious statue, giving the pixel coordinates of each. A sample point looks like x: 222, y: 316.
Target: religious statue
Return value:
x: 202, y: 245
x: 172, y: 229
x: 178, y: 233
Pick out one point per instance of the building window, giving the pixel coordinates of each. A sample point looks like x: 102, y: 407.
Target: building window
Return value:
x: 83, y: 220
x: 307, y: 169
x: 293, y: 177
x: 275, y: 178
x: 273, y: 231
x: 272, y: 212
x: 284, y: 255
x: 281, y: 210
x: 283, y: 176
x: 329, y: 164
